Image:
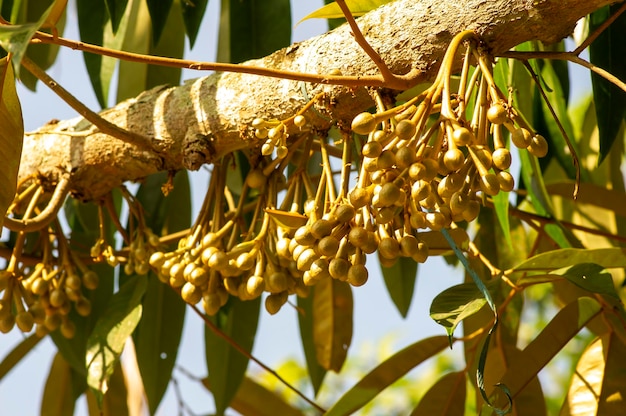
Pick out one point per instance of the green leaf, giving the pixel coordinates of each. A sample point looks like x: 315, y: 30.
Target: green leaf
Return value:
x: 607, y: 51
x: 193, y: 11
x: 561, y: 329
x: 613, y: 397
x: 16, y: 38
x: 400, y: 281
x: 332, y: 322
x: 386, y: 373
x: 116, y: 9
x: 305, y: 321
x: 332, y: 10
x: 548, y: 126
x: 159, y: 10
x: 95, y: 28
x: 501, y: 207
x: 533, y: 181
x: 157, y: 337
x: 557, y: 259
x: 134, y: 77
x: 244, y: 33
x: 445, y: 397
x: 106, y: 342
x: 16, y: 355
x: 227, y: 366
x: 57, y: 397
x: 11, y: 136
x: 83, y: 220
x: 591, y: 277
x: 458, y: 302
x: 254, y: 399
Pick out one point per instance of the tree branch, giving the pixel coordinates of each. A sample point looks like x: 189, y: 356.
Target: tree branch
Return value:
x: 208, y: 117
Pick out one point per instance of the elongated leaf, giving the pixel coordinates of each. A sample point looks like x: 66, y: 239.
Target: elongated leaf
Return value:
x: 597, y: 386
x: 158, y: 334
x: 607, y: 51
x: 16, y: 355
x: 332, y: 322
x: 192, y: 16
x: 589, y: 193
x: 501, y: 205
x: 57, y: 397
x: 254, y: 399
x: 400, y: 281
x: 305, y: 322
x: 114, y: 402
x: 227, y: 367
x: 557, y: 259
x: 386, y: 373
x: 116, y: 9
x: 159, y: 10
x: 445, y: 397
x: 43, y: 55
x: 591, y: 277
x: 106, y: 342
x: 16, y: 38
x: 612, y: 400
x: 533, y: 181
x: 458, y: 302
x: 357, y: 8
x: 135, y: 77
x: 561, y: 329
x: 244, y: 33
x: 439, y: 246
x: 92, y: 24
x: 11, y: 136
x: 586, y: 385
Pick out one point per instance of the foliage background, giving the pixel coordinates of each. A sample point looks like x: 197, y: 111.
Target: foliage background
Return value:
x: 370, y: 323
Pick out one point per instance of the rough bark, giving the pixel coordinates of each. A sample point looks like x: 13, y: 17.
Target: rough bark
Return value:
x: 210, y: 116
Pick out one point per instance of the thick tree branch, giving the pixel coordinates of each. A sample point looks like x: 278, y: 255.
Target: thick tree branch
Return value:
x: 211, y: 116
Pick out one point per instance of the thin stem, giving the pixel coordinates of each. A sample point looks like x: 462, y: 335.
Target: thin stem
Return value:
x: 561, y: 129
x: 399, y: 82
x: 598, y: 31
x: 44, y: 217
x: 364, y: 44
x: 251, y: 357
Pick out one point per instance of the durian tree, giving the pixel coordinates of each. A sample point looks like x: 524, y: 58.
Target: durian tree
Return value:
x: 420, y: 129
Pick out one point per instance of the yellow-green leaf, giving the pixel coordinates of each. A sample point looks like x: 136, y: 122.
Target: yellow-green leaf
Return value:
x: 586, y: 384
x: 589, y: 193
x: 445, y: 397
x: 563, y: 327
x: 438, y: 245
x: 289, y: 220
x: 254, y: 399
x: 57, y: 397
x: 11, y: 137
x: 114, y: 402
x: 332, y: 322
x: 357, y: 8
x: 386, y: 373
x: 557, y: 259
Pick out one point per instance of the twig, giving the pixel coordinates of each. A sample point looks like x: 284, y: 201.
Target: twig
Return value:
x: 44, y: 217
x: 364, y: 44
x: 598, y: 31
x: 398, y: 82
x: 105, y: 126
x: 247, y: 354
